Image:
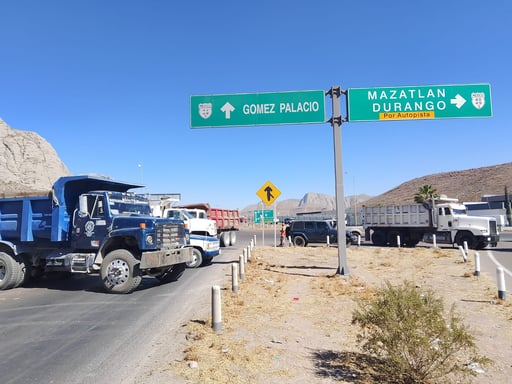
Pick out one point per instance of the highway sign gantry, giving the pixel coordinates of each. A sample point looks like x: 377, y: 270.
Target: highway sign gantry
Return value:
x: 268, y: 108
x: 419, y: 102
x: 268, y: 193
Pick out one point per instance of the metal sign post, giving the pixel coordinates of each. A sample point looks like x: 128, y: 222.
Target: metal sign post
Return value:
x: 336, y: 121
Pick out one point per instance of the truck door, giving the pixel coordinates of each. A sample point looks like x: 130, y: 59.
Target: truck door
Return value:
x: 89, y: 223
x: 445, y: 219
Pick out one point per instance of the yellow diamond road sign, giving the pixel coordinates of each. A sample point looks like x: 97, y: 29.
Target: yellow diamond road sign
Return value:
x: 268, y: 193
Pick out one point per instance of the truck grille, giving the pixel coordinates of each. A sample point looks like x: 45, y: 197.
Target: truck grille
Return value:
x: 170, y: 236
x: 492, y: 227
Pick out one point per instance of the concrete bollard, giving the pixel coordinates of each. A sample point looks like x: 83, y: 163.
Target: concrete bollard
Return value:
x: 249, y: 250
x: 434, y: 241
x: 254, y: 240
x: 234, y: 277
x: 463, y: 253
x: 241, y: 265
x: 477, y: 264
x: 500, y: 277
x: 328, y: 241
x: 245, y: 255
x: 398, y: 241
x: 216, y: 309
x: 466, y: 249
x: 358, y: 240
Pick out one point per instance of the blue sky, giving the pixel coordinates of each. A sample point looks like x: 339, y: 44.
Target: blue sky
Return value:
x: 108, y: 84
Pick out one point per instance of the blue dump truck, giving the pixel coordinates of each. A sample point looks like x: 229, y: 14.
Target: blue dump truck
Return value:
x: 93, y: 225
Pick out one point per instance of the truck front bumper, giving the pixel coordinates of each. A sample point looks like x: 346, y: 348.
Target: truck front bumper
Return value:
x: 165, y: 258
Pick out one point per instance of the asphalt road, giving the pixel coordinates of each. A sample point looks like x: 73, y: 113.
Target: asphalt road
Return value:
x: 491, y: 258
x: 70, y: 331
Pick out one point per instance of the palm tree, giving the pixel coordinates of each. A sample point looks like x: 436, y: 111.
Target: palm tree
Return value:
x: 424, y: 193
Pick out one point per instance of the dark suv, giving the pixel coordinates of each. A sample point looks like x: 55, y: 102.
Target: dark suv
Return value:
x: 303, y: 232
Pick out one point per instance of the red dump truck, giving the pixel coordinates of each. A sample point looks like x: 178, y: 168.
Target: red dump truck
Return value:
x: 227, y: 220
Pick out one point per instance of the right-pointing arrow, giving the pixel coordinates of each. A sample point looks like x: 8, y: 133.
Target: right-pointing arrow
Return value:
x: 458, y: 100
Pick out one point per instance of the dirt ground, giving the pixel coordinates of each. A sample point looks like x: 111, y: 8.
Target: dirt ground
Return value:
x: 290, y: 321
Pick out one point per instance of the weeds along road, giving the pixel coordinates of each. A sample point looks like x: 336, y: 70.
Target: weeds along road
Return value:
x: 70, y: 331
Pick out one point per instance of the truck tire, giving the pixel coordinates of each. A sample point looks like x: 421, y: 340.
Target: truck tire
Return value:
x: 224, y: 239
x: 9, y: 271
x: 197, y: 258
x: 379, y: 238
x: 120, y: 272
x: 465, y: 237
x: 172, y: 274
x: 393, y: 238
x: 232, y: 238
x: 24, y: 271
x: 299, y: 241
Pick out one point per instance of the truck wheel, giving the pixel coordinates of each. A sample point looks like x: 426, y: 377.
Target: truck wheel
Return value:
x: 197, y: 258
x: 120, y: 272
x: 466, y: 237
x: 9, y: 271
x: 24, y: 271
x: 172, y: 274
x: 299, y: 241
x: 224, y: 239
x: 232, y: 238
x: 379, y: 238
x: 393, y: 238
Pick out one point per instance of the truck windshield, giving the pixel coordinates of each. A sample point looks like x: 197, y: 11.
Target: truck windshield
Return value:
x: 125, y: 203
x: 459, y: 211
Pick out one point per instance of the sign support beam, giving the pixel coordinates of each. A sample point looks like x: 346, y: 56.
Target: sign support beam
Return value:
x: 336, y: 121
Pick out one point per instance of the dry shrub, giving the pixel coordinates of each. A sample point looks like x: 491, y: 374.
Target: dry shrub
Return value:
x: 408, y: 329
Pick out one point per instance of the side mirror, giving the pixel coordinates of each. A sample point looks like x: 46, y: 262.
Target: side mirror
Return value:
x: 82, y: 206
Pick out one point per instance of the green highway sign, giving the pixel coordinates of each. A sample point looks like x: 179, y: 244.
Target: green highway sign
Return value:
x: 268, y: 216
x: 419, y: 102
x: 271, y: 108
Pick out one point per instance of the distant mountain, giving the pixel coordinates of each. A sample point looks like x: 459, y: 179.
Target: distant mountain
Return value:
x: 466, y: 185
x: 310, y: 202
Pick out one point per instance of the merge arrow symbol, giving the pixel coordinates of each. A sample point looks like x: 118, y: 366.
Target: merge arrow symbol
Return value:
x: 269, y: 193
x: 227, y: 109
x: 458, y: 100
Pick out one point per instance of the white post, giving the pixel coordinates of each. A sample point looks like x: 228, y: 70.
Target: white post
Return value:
x: 242, y: 267
x: 500, y: 276
x: 398, y: 240
x: 234, y: 277
x: 463, y: 253
x: 466, y: 249
x: 254, y: 242
x: 358, y: 240
x: 245, y: 255
x: 477, y: 264
x: 434, y: 240
x: 216, y: 309
x: 328, y: 241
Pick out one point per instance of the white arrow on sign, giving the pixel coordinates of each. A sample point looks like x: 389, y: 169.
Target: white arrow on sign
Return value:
x: 458, y: 100
x: 227, y: 109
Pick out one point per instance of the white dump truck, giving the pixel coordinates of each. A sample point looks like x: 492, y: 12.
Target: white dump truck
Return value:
x: 445, y: 218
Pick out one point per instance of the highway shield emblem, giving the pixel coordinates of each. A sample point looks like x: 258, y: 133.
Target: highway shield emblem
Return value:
x: 478, y: 99
x: 205, y: 110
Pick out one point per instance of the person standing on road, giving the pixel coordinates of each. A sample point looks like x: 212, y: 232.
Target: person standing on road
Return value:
x: 283, y: 235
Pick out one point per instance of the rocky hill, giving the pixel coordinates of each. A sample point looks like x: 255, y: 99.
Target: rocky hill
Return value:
x: 28, y: 163
x: 467, y: 185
